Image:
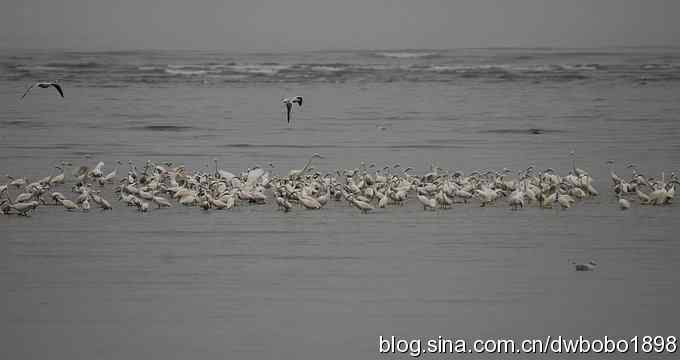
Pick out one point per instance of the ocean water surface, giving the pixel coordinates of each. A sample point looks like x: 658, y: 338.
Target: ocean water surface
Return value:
x: 255, y: 283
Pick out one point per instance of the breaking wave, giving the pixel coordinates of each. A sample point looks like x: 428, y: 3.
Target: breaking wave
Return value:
x: 407, y: 55
x: 103, y: 69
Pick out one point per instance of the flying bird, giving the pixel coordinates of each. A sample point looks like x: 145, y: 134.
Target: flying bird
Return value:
x: 45, y: 85
x: 288, y: 103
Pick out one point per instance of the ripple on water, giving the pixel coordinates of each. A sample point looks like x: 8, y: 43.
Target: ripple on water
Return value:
x: 23, y: 124
x: 163, y: 127
x: 533, y: 131
x: 348, y: 146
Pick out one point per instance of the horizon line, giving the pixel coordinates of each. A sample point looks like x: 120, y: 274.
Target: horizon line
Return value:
x: 362, y: 49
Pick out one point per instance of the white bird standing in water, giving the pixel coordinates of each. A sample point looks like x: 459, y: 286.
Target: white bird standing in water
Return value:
x: 23, y: 208
x: 69, y: 205
x: 59, y: 178
x: 427, y: 202
x: 615, y: 178
x: 85, y: 206
x: 45, y: 85
x: 17, y: 182
x: 361, y: 205
x: 578, y: 172
x: 283, y: 204
x: 299, y: 172
x: 623, y: 203
x: 97, y: 172
x: 110, y: 176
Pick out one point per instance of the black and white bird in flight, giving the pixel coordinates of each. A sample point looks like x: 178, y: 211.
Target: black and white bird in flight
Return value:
x: 288, y: 103
x: 297, y: 100
x: 45, y: 85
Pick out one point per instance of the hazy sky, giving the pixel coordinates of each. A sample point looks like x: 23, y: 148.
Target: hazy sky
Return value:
x: 246, y: 25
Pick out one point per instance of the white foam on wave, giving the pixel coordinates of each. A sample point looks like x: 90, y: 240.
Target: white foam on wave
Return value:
x: 538, y: 68
x: 39, y: 68
x: 185, y: 72
x: 258, y: 68
x: 406, y: 55
x: 327, y: 68
x: 466, y: 68
x: 578, y: 67
x: 182, y: 66
x: 232, y: 77
x: 149, y: 68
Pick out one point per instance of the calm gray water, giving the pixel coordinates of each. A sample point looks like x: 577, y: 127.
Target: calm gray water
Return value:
x: 255, y: 283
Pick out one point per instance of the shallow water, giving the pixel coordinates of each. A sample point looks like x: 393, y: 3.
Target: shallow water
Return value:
x: 255, y: 283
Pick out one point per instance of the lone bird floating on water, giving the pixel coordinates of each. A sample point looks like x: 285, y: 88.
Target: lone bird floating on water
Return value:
x: 589, y: 266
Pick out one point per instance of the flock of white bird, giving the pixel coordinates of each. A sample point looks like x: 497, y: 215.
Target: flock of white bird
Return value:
x: 366, y: 188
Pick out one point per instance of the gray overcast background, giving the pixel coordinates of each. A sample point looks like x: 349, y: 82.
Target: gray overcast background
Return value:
x: 279, y: 25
